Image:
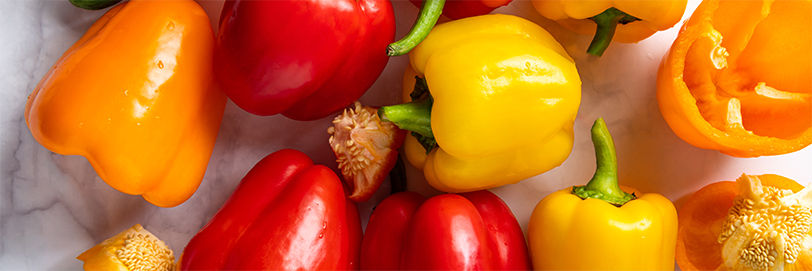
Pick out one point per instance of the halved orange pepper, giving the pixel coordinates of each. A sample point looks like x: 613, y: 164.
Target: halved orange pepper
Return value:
x: 135, y: 97
x: 738, y: 78
x: 708, y: 218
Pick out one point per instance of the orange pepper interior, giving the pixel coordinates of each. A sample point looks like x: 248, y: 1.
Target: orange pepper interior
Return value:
x: 749, y: 70
x: 701, y: 218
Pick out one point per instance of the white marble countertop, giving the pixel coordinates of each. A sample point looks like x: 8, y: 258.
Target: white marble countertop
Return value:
x: 53, y: 207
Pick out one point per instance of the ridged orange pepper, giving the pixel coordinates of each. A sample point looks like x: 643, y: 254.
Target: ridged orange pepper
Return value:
x: 738, y: 78
x: 134, y: 96
x: 759, y: 222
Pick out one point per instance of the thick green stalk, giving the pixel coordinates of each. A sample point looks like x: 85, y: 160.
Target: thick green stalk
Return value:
x: 607, y: 23
x: 603, y: 184
x: 414, y: 116
x: 429, y: 14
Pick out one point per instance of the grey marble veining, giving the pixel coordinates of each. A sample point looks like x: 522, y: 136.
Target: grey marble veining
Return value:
x: 53, y: 207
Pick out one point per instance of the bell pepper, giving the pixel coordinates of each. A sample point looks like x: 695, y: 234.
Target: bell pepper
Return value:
x: 759, y: 222
x: 134, y: 97
x: 134, y: 249
x: 494, y: 101
x: 471, y: 231
x: 304, y: 59
x: 638, y: 19
x: 600, y: 226
x: 737, y: 78
x: 429, y: 14
x: 286, y: 214
x: 365, y: 148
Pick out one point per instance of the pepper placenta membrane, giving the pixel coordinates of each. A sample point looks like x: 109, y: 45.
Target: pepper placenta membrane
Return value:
x: 600, y: 226
x: 503, y: 96
x: 471, y: 231
x: 134, y: 96
x: 737, y: 78
x: 619, y: 20
x: 305, y: 58
x: 759, y: 222
x: 284, y: 200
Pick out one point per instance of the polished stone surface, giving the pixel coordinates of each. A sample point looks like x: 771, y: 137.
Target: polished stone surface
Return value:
x: 52, y: 207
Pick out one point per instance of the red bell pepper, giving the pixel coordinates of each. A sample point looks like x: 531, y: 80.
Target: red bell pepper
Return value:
x: 286, y: 214
x: 470, y: 231
x: 305, y: 58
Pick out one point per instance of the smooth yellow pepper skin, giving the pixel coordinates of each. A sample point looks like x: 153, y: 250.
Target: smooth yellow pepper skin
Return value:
x: 505, y: 99
x: 582, y: 228
x: 568, y: 233
x: 135, y: 97
x: 654, y: 15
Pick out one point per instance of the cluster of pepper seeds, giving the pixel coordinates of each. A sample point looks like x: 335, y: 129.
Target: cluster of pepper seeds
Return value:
x: 773, y: 229
x: 142, y: 251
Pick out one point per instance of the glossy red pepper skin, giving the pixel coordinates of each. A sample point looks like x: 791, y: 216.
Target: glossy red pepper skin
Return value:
x: 284, y: 199
x: 458, y: 9
x: 305, y: 58
x: 470, y: 231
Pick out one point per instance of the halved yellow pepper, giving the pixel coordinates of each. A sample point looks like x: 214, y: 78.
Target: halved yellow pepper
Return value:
x: 134, y: 96
x: 134, y: 249
x: 502, y: 102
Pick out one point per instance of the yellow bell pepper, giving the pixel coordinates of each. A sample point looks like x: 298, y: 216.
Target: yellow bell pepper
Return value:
x: 599, y: 226
x: 638, y: 19
x: 496, y: 106
x: 134, y: 96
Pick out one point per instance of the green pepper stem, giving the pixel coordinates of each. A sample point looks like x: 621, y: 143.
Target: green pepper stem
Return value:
x: 607, y: 23
x: 603, y: 184
x: 94, y: 4
x: 429, y: 14
x: 414, y: 116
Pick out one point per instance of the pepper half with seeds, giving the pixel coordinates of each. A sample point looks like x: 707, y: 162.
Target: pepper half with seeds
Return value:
x: 134, y: 249
x: 756, y: 223
x: 365, y: 148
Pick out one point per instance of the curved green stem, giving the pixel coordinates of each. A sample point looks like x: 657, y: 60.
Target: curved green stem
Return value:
x: 607, y: 23
x: 603, y: 184
x: 429, y: 14
x: 94, y: 4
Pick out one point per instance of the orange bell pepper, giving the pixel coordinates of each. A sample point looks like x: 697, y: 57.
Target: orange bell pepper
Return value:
x: 756, y: 223
x: 134, y: 96
x: 737, y: 78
